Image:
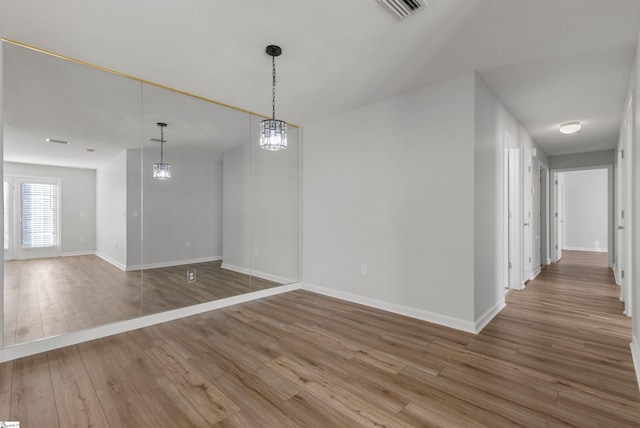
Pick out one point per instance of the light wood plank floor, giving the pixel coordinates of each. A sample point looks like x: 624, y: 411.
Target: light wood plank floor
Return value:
x: 46, y: 297
x: 557, y: 355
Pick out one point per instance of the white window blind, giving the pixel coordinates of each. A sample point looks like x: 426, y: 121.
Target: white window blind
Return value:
x: 38, y: 214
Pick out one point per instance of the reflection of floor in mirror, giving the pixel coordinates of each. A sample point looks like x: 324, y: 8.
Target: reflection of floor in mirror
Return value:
x: 46, y: 297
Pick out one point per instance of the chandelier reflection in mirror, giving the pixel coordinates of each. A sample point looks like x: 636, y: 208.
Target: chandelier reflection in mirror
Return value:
x: 161, y: 170
x: 273, y: 132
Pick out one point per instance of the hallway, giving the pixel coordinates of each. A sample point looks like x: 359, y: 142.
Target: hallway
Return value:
x: 557, y: 355
x: 568, y: 327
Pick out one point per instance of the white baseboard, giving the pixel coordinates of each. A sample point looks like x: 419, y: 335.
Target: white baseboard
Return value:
x: 420, y: 314
x: 263, y: 275
x: 536, y: 272
x: 488, y: 316
x: 130, y: 268
x: 635, y: 354
x: 77, y: 253
x: 114, y: 262
x: 597, y: 250
x: 173, y: 263
x: 50, y: 343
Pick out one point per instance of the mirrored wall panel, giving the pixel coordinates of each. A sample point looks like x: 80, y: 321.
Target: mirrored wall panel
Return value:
x: 124, y: 199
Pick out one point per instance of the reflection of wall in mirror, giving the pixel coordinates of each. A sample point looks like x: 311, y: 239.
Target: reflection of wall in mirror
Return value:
x: 181, y: 216
x: 111, y: 208
x: 260, y: 214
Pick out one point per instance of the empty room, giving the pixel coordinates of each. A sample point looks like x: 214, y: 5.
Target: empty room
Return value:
x: 373, y: 213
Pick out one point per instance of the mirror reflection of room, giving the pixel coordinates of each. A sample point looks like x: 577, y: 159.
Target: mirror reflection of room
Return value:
x: 110, y: 216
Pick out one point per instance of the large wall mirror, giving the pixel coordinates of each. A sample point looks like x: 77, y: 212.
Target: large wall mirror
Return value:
x: 91, y: 237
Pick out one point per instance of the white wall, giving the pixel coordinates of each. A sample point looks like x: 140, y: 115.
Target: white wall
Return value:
x: 488, y: 201
x: 492, y: 120
x: 111, y: 209
x: 633, y: 92
x: 586, y: 210
x: 275, y: 209
x: 392, y: 188
x: 411, y: 187
x: 582, y: 160
x: 77, y: 203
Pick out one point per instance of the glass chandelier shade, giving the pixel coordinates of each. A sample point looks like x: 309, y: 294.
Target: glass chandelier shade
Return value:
x: 273, y: 132
x: 161, y: 170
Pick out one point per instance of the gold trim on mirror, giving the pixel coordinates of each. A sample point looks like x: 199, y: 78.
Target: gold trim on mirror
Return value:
x: 128, y: 76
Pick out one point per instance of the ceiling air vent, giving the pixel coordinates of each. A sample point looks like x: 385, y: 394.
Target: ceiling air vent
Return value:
x: 403, y: 8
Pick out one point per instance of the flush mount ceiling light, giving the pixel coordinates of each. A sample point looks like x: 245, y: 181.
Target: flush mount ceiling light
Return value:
x: 570, y: 127
x: 161, y: 170
x: 273, y: 132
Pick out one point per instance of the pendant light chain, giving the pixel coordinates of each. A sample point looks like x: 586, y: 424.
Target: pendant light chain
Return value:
x: 161, y: 144
x: 273, y: 132
x: 273, y: 90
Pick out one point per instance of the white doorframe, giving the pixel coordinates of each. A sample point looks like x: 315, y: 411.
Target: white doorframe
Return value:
x: 545, y: 256
x: 557, y: 206
x: 556, y: 216
x: 8, y: 218
x: 626, y: 158
x: 527, y: 220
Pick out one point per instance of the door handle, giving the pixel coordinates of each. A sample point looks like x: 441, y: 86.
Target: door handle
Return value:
x: 526, y: 224
x: 620, y: 227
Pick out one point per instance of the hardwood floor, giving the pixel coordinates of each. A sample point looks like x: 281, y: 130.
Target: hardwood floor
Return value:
x: 46, y: 297
x: 557, y: 355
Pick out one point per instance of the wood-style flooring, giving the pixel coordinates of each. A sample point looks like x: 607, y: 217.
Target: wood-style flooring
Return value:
x: 47, y: 297
x: 557, y: 355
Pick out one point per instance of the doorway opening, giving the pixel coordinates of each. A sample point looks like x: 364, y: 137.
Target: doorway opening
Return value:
x: 581, y: 211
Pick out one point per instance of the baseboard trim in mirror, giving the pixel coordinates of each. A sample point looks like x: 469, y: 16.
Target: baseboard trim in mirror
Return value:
x: 69, y: 339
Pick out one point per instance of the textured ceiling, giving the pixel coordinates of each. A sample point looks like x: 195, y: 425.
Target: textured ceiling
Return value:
x: 549, y: 61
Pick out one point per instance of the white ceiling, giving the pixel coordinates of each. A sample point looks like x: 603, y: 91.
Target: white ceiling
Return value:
x: 549, y: 61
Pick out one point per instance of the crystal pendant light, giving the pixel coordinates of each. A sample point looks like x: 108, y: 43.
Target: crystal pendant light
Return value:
x: 273, y: 132
x: 161, y: 170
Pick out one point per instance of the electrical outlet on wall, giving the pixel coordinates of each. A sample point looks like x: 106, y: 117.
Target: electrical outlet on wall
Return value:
x: 363, y: 269
x: 191, y: 275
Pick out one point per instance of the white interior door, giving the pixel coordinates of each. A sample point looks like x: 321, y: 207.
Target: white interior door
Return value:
x: 513, y: 272
x: 625, y: 226
x: 513, y: 230
x: 526, y: 225
x: 620, y: 256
